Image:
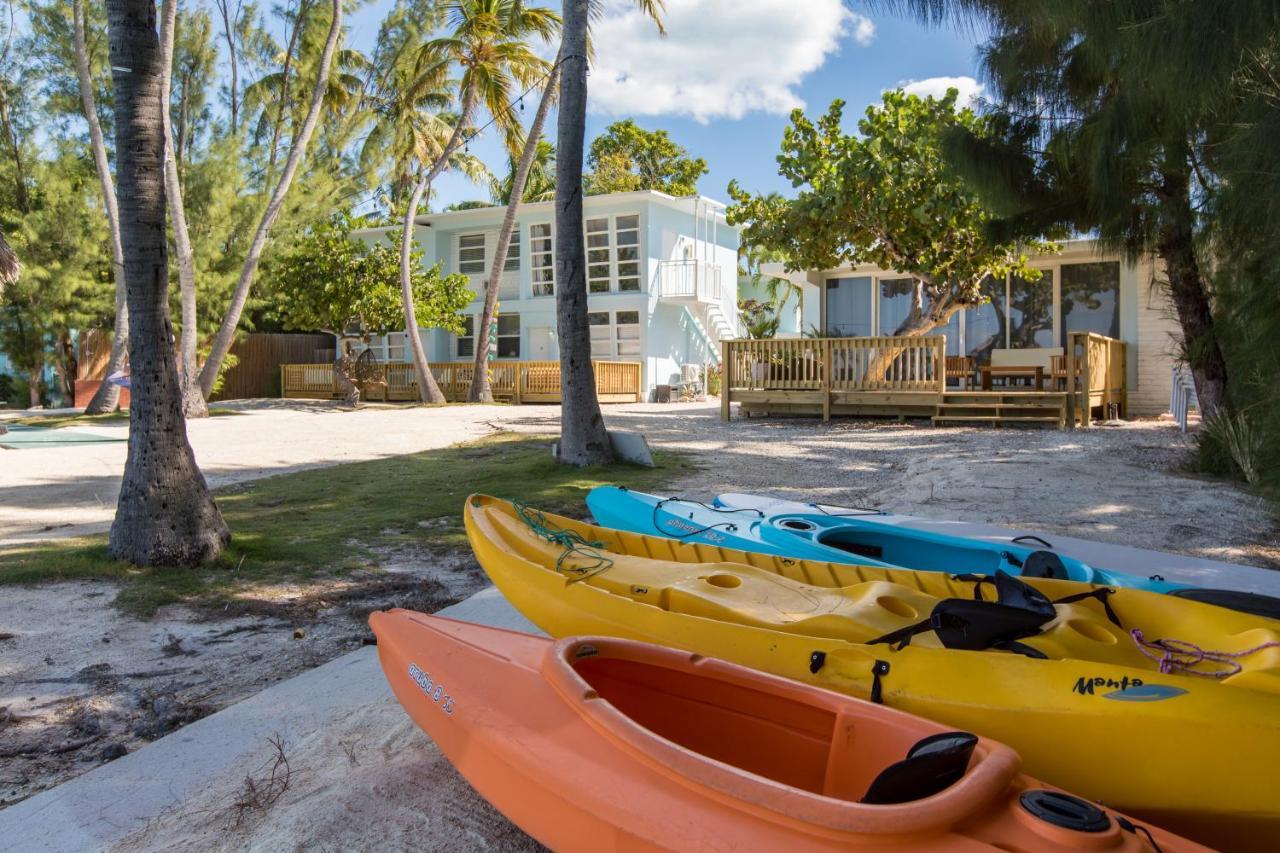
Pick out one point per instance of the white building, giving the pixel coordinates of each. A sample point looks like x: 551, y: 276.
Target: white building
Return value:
x: 661, y: 279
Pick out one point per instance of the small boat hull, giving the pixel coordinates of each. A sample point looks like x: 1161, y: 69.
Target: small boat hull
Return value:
x: 1097, y: 718
x: 604, y: 744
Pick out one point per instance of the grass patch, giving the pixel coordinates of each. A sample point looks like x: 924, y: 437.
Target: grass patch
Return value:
x: 56, y: 421
x: 331, y: 522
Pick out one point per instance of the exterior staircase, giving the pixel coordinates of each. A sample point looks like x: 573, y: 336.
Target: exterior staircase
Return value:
x: 1002, y: 407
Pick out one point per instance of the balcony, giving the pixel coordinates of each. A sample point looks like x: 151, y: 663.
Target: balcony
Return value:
x: 689, y: 281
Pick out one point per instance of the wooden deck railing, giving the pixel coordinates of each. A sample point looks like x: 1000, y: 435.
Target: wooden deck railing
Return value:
x: 829, y: 366
x: 1097, y: 366
x: 516, y: 381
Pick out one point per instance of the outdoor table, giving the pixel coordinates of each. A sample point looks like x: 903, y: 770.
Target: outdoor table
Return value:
x: 1009, y: 371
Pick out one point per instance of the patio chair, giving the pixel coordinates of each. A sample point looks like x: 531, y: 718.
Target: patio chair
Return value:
x: 961, y: 368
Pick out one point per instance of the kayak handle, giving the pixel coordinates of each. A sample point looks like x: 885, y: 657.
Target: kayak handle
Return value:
x: 1029, y: 538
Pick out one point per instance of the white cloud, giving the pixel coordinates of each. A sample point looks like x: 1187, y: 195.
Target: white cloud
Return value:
x: 970, y: 89
x: 720, y: 59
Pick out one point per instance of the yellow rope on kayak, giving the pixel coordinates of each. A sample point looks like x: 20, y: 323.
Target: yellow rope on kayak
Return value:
x: 573, y: 543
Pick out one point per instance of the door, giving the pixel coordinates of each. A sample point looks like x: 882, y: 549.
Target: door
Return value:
x: 542, y: 344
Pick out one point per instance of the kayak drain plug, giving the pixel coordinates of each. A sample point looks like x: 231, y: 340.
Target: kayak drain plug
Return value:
x: 816, y: 660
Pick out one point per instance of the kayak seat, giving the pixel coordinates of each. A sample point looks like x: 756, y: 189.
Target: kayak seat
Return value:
x: 932, y: 765
x: 1044, y: 564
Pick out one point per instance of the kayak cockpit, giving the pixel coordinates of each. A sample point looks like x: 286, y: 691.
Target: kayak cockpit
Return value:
x: 834, y: 760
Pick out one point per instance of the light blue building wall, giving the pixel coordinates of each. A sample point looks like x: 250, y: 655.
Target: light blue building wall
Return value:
x: 661, y: 278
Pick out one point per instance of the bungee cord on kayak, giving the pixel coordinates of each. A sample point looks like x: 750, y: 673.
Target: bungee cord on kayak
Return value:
x: 573, y: 544
x: 1180, y: 656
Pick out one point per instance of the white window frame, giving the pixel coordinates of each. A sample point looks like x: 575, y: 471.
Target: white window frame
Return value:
x: 469, y: 325
x: 618, y: 246
x: 542, y: 258
x: 616, y: 337
x: 607, y: 254
x: 484, y: 252
x: 509, y: 335
x: 594, y: 253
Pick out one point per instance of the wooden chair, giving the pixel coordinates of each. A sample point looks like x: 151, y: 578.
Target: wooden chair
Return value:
x: 961, y: 368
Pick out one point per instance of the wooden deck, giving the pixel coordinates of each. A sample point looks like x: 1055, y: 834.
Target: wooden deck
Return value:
x: 907, y: 377
x: 511, y: 381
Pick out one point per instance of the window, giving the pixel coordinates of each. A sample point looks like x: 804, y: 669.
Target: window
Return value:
x: 513, y: 252
x: 471, y: 254
x: 1031, y: 311
x: 895, y: 303
x: 396, y: 347
x: 1091, y: 298
x: 627, y: 331
x: 984, y: 325
x: 601, y: 334
x: 599, y: 268
x: 508, y: 336
x: 542, y: 263
x: 466, y: 340
x: 627, y: 238
x: 849, y: 306
x: 619, y: 338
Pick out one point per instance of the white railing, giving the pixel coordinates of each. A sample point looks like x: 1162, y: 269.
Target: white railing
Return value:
x: 692, y: 280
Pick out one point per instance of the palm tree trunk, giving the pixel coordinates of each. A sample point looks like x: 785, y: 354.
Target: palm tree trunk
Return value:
x: 165, y: 515
x: 193, y: 405
x: 227, y: 331
x: 583, y: 438
x: 107, y: 397
x: 428, y: 390
x: 480, y: 390
x: 233, y: 85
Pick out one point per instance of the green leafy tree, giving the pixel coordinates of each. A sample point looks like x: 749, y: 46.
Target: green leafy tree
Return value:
x: 64, y: 281
x: 626, y: 158
x: 885, y: 196
x: 1109, y: 118
x: 331, y: 282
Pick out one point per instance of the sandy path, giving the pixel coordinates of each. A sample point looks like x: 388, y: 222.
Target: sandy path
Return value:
x: 68, y: 491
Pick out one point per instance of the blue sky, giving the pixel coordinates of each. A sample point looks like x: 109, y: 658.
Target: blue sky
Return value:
x: 727, y: 75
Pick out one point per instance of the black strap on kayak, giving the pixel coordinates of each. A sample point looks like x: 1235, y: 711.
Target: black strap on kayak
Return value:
x: 1129, y: 826
x: 854, y: 511
x: 727, y: 525
x: 1102, y: 593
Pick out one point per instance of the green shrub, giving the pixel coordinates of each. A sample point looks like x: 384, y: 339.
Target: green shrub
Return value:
x: 1230, y: 444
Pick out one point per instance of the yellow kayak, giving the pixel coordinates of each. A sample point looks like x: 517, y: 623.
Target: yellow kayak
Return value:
x: 1081, y: 695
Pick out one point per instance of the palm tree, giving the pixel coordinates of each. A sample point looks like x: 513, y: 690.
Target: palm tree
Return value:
x: 489, y: 41
x: 522, y: 172
x: 165, y: 515
x: 539, y: 183
x: 583, y: 438
x: 231, y: 320
x: 107, y: 397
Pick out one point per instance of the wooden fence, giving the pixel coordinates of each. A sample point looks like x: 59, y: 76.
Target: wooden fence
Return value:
x: 875, y: 373
x: 1098, y: 366
x: 259, y: 356
x: 514, y: 381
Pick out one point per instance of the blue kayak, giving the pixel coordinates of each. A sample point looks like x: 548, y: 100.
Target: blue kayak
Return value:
x: 870, y: 538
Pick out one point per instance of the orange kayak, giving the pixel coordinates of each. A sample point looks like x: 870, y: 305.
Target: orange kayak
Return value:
x: 606, y: 744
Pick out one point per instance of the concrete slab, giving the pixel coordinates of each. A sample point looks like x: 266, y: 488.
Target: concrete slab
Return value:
x: 105, y: 805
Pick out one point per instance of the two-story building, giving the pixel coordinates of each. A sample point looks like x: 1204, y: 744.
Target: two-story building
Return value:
x: 661, y: 280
